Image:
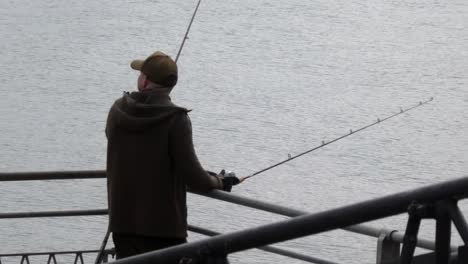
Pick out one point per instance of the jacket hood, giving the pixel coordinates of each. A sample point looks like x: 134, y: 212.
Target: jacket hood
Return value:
x: 139, y: 110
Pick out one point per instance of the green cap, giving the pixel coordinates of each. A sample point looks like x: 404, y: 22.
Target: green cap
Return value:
x: 158, y: 68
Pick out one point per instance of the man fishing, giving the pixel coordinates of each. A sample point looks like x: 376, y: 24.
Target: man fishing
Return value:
x: 151, y: 162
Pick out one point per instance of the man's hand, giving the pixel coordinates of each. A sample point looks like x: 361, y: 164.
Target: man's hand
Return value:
x: 229, y: 179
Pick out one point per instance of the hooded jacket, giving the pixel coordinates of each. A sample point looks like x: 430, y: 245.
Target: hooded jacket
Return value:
x: 150, y: 162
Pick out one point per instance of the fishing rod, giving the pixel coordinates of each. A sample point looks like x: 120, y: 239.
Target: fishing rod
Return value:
x: 188, y: 29
x: 106, y: 237
x: 351, y: 132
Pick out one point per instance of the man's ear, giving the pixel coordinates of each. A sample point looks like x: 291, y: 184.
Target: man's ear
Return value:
x: 145, y: 81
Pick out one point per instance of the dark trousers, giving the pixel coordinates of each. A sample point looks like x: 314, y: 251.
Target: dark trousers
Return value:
x: 127, y: 245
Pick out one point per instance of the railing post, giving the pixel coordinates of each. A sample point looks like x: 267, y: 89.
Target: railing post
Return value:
x: 25, y: 259
x: 79, y: 256
x: 410, y: 239
x: 462, y: 255
x: 458, y: 219
x: 388, y: 251
x: 416, y: 212
x: 52, y: 258
x: 443, y: 233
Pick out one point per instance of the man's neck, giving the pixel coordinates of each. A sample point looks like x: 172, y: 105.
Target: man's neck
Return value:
x: 157, y: 89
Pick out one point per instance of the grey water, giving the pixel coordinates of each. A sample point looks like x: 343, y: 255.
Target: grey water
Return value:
x: 265, y: 79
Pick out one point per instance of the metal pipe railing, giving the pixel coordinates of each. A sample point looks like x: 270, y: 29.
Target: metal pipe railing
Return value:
x: 270, y: 249
x: 52, y: 175
x: 306, y: 225
x: 54, y: 213
x: 219, y: 195
x: 44, y: 253
x: 288, y: 211
x: 105, y: 212
x: 52, y: 255
x: 361, y: 229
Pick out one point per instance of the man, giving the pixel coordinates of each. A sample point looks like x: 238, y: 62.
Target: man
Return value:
x: 151, y: 161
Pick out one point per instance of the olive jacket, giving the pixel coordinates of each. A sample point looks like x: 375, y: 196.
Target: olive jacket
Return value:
x: 150, y: 163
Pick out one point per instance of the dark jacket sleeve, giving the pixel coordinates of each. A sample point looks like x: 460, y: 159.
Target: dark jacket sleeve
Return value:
x: 184, y: 156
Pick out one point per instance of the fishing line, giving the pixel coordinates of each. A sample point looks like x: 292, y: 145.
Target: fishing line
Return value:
x: 106, y: 237
x: 351, y: 132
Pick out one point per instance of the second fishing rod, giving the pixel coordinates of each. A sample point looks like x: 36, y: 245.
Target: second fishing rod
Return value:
x: 351, y: 132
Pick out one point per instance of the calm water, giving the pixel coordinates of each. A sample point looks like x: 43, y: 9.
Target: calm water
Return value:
x: 264, y: 79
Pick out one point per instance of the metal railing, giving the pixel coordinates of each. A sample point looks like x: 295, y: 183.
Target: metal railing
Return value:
x: 385, y: 236
x: 51, y: 256
x: 437, y: 201
x: 219, y: 195
x: 191, y: 228
x: 71, y: 175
